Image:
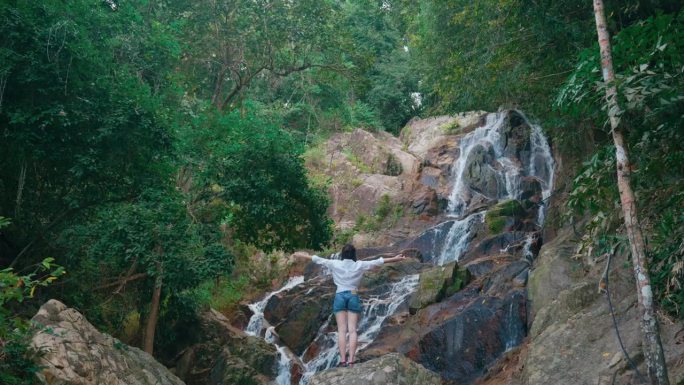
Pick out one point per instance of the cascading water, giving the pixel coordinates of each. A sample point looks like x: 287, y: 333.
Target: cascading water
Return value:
x: 256, y: 326
x: 456, y: 241
x: 257, y: 321
x: 541, y: 152
x: 508, y: 175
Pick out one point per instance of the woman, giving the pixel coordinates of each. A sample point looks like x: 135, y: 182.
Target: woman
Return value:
x: 347, y: 273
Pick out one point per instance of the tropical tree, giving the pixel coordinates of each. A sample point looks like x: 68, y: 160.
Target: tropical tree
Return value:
x: 653, y: 350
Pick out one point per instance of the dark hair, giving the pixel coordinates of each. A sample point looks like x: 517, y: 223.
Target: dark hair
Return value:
x: 348, y: 252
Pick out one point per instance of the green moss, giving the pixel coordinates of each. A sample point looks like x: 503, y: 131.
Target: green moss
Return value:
x: 497, y: 217
x: 509, y: 208
x: 394, y: 167
x: 358, y: 163
x: 460, y: 280
x: 130, y: 327
x: 450, y: 128
x: 495, y: 224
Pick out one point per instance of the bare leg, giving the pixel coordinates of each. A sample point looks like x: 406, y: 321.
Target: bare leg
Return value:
x: 353, y: 319
x: 341, y: 318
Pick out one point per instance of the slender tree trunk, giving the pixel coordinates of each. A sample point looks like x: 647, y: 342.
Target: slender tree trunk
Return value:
x: 653, y: 349
x: 151, y: 326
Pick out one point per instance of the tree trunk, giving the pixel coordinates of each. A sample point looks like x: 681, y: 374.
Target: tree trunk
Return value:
x: 653, y: 350
x: 151, y: 326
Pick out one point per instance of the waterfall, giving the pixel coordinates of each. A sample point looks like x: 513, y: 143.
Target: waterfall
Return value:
x: 489, y: 133
x: 285, y: 358
x: 540, y: 166
x: 256, y: 322
x: 507, y: 173
x: 256, y: 325
x: 541, y: 149
x: 456, y: 242
x: 376, y: 310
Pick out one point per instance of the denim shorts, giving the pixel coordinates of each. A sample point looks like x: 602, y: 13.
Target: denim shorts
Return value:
x: 347, y: 301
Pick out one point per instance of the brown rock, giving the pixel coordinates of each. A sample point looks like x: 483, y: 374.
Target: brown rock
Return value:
x: 392, y: 369
x: 75, y: 353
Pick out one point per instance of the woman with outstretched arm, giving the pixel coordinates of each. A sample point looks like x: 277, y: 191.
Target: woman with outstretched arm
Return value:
x: 347, y: 273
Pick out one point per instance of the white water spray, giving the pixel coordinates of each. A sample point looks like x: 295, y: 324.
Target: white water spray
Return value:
x: 257, y: 321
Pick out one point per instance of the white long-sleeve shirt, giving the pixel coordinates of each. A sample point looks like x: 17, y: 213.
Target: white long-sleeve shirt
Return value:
x: 346, y: 273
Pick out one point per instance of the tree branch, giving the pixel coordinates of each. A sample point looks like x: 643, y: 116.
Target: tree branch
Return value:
x: 123, y: 282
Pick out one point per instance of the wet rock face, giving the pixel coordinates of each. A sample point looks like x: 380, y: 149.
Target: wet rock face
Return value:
x: 463, y: 346
x: 77, y: 354
x: 392, y: 369
x: 299, y: 313
x: 431, y: 242
x: 460, y: 336
x: 480, y: 174
x: 517, y: 137
x: 229, y: 370
x: 425, y: 201
x: 224, y: 354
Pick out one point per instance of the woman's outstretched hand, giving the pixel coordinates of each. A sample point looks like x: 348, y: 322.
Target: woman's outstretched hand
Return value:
x: 397, y: 258
x: 302, y: 255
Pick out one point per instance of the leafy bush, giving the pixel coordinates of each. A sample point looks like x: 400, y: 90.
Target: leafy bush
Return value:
x: 385, y: 215
x: 17, y: 358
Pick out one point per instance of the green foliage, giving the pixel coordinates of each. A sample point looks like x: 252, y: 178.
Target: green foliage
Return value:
x: 667, y: 258
x: 648, y: 57
x: 481, y: 55
x: 17, y: 366
x: 113, y: 159
x: 223, y: 294
x: 385, y: 215
x: 357, y: 162
x: 75, y: 111
x: 257, y: 170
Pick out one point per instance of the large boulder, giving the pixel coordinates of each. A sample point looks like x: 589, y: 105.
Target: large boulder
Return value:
x: 421, y: 135
x: 392, y: 369
x: 480, y: 173
x: 436, y: 283
x: 75, y: 353
x: 573, y: 339
x: 380, y: 153
x: 297, y: 314
x: 230, y: 370
x: 462, y: 346
x: 223, y: 351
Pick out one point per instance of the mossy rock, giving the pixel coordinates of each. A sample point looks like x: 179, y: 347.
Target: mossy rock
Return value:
x: 256, y: 353
x: 460, y: 280
x: 504, y: 215
x: 451, y: 128
x: 233, y: 371
x: 509, y: 208
x: 130, y: 327
x: 495, y: 224
x: 438, y: 283
x: 393, y: 167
